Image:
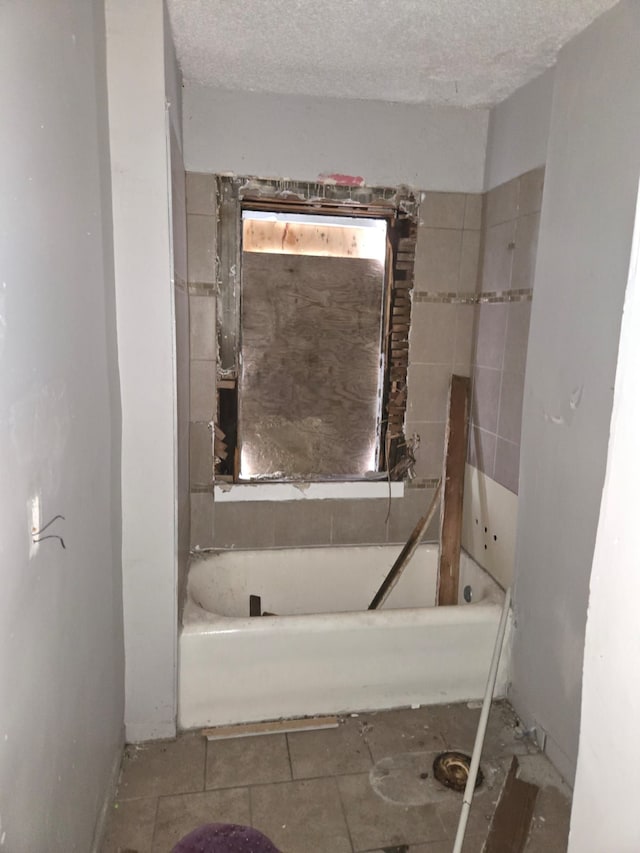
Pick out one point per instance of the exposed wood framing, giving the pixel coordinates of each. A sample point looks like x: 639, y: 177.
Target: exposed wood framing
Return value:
x: 453, y: 481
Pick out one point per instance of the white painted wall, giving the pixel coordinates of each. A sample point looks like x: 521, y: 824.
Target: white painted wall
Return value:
x: 519, y: 132
x: 583, y: 256
x: 610, y: 691
x: 301, y: 138
x: 145, y: 305
x: 61, y: 652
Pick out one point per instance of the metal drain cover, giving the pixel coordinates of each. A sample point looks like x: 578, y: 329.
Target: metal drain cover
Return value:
x: 452, y: 770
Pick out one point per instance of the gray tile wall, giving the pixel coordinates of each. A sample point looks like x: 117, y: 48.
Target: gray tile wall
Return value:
x: 509, y: 242
x: 201, y: 253
x: 282, y: 524
x: 441, y: 342
x: 441, y: 338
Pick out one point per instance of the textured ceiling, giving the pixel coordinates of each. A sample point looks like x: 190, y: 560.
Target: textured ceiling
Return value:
x: 458, y: 52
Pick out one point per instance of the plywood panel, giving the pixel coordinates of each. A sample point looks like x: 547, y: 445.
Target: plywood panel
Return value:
x: 310, y: 365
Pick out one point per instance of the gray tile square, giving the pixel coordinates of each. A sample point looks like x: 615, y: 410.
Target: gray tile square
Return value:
x: 244, y: 525
x: 200, y: 455
x: 201, y: 193
x: 482, y: 450
x: 502, y: 203
x: 442, y: 210
x: 130, y: 826
x: 482, y: 809
x: 466, y: 316
x: 511, y: 397
x: 304, y: 522
x: 301, y: 817
x: 437, y: 263
x: 201, y: 248
x: 178, y: 816
x: 507, y: 465
x: 247, y: 761
x: 374, y: 822
x: 406, y: 513
x: 497, y: 260
x: 470, y: 262
x: 404, y: 730
x: 357, y: 522
x: 202, y: 327
x: 473, y: 211
x: 432, y: 338
x: 491, y: 333
x: 202, y: 390
x: 531, y: 187
x: 201, y: 519
x: 329, y: 752
x: 515, y: 351
x: 485, y: 399
x: 430, y: 451
x: 428, y: 392
x: 163, y: 767
x: 525, y: 252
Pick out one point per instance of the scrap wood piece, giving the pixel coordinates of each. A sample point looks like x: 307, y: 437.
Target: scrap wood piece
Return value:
x: 453, y: 478
x: 510, y: 824
x: 406, y: 554
x: 272, y: 727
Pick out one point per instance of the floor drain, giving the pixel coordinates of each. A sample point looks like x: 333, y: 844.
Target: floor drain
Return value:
x: 452, y: 770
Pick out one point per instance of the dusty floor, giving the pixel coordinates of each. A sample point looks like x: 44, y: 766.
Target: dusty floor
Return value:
x: 359, y: 787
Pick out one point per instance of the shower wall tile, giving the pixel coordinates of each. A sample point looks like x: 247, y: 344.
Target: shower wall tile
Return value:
x: 511, y: 395
x: 354, y: 522
x: 530, y: 192
x: 432, y: 337
x: 524, y: 254
x: 430, y: 452
x: 502, y: 203
x: 201, y: 194
x: 515, y: 353
x: 437, y: 262
x: 406, y: 513
x: 473, y: 211
x: 485, y: 399
x: 510, y: 235
x: 203, y: 384
x: 200, y: 455
x: 482, y: 450
x: 491, y: 333
x: 469, y: 261
x: 498, y: 256
x: 442, y: 210
x: 244, y: 525
x: 428, y: 391
x: 507, y: 464
x: 202, y: 520
x: 463, y: 355
x: 201, y: 248
x: 203, y: 327
x: 301, y: 523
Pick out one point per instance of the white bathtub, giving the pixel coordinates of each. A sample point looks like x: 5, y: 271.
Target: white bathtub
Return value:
x: 324, y: 653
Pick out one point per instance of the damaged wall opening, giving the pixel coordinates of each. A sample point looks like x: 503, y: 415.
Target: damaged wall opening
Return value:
x: 313, y: 295
x: 311, y: 366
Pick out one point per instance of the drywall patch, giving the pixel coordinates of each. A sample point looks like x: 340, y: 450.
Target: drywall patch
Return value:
x: 489, y: 522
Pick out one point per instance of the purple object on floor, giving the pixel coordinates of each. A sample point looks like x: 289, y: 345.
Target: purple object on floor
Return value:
x: 225, y: 838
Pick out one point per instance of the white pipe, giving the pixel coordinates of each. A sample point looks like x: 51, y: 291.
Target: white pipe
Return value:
x: 482, y: 726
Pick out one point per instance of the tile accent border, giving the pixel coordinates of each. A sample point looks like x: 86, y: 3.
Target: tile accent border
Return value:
x: 493, y: 296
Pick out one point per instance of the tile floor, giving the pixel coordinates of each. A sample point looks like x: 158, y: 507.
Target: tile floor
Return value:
x: 355, y: 788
